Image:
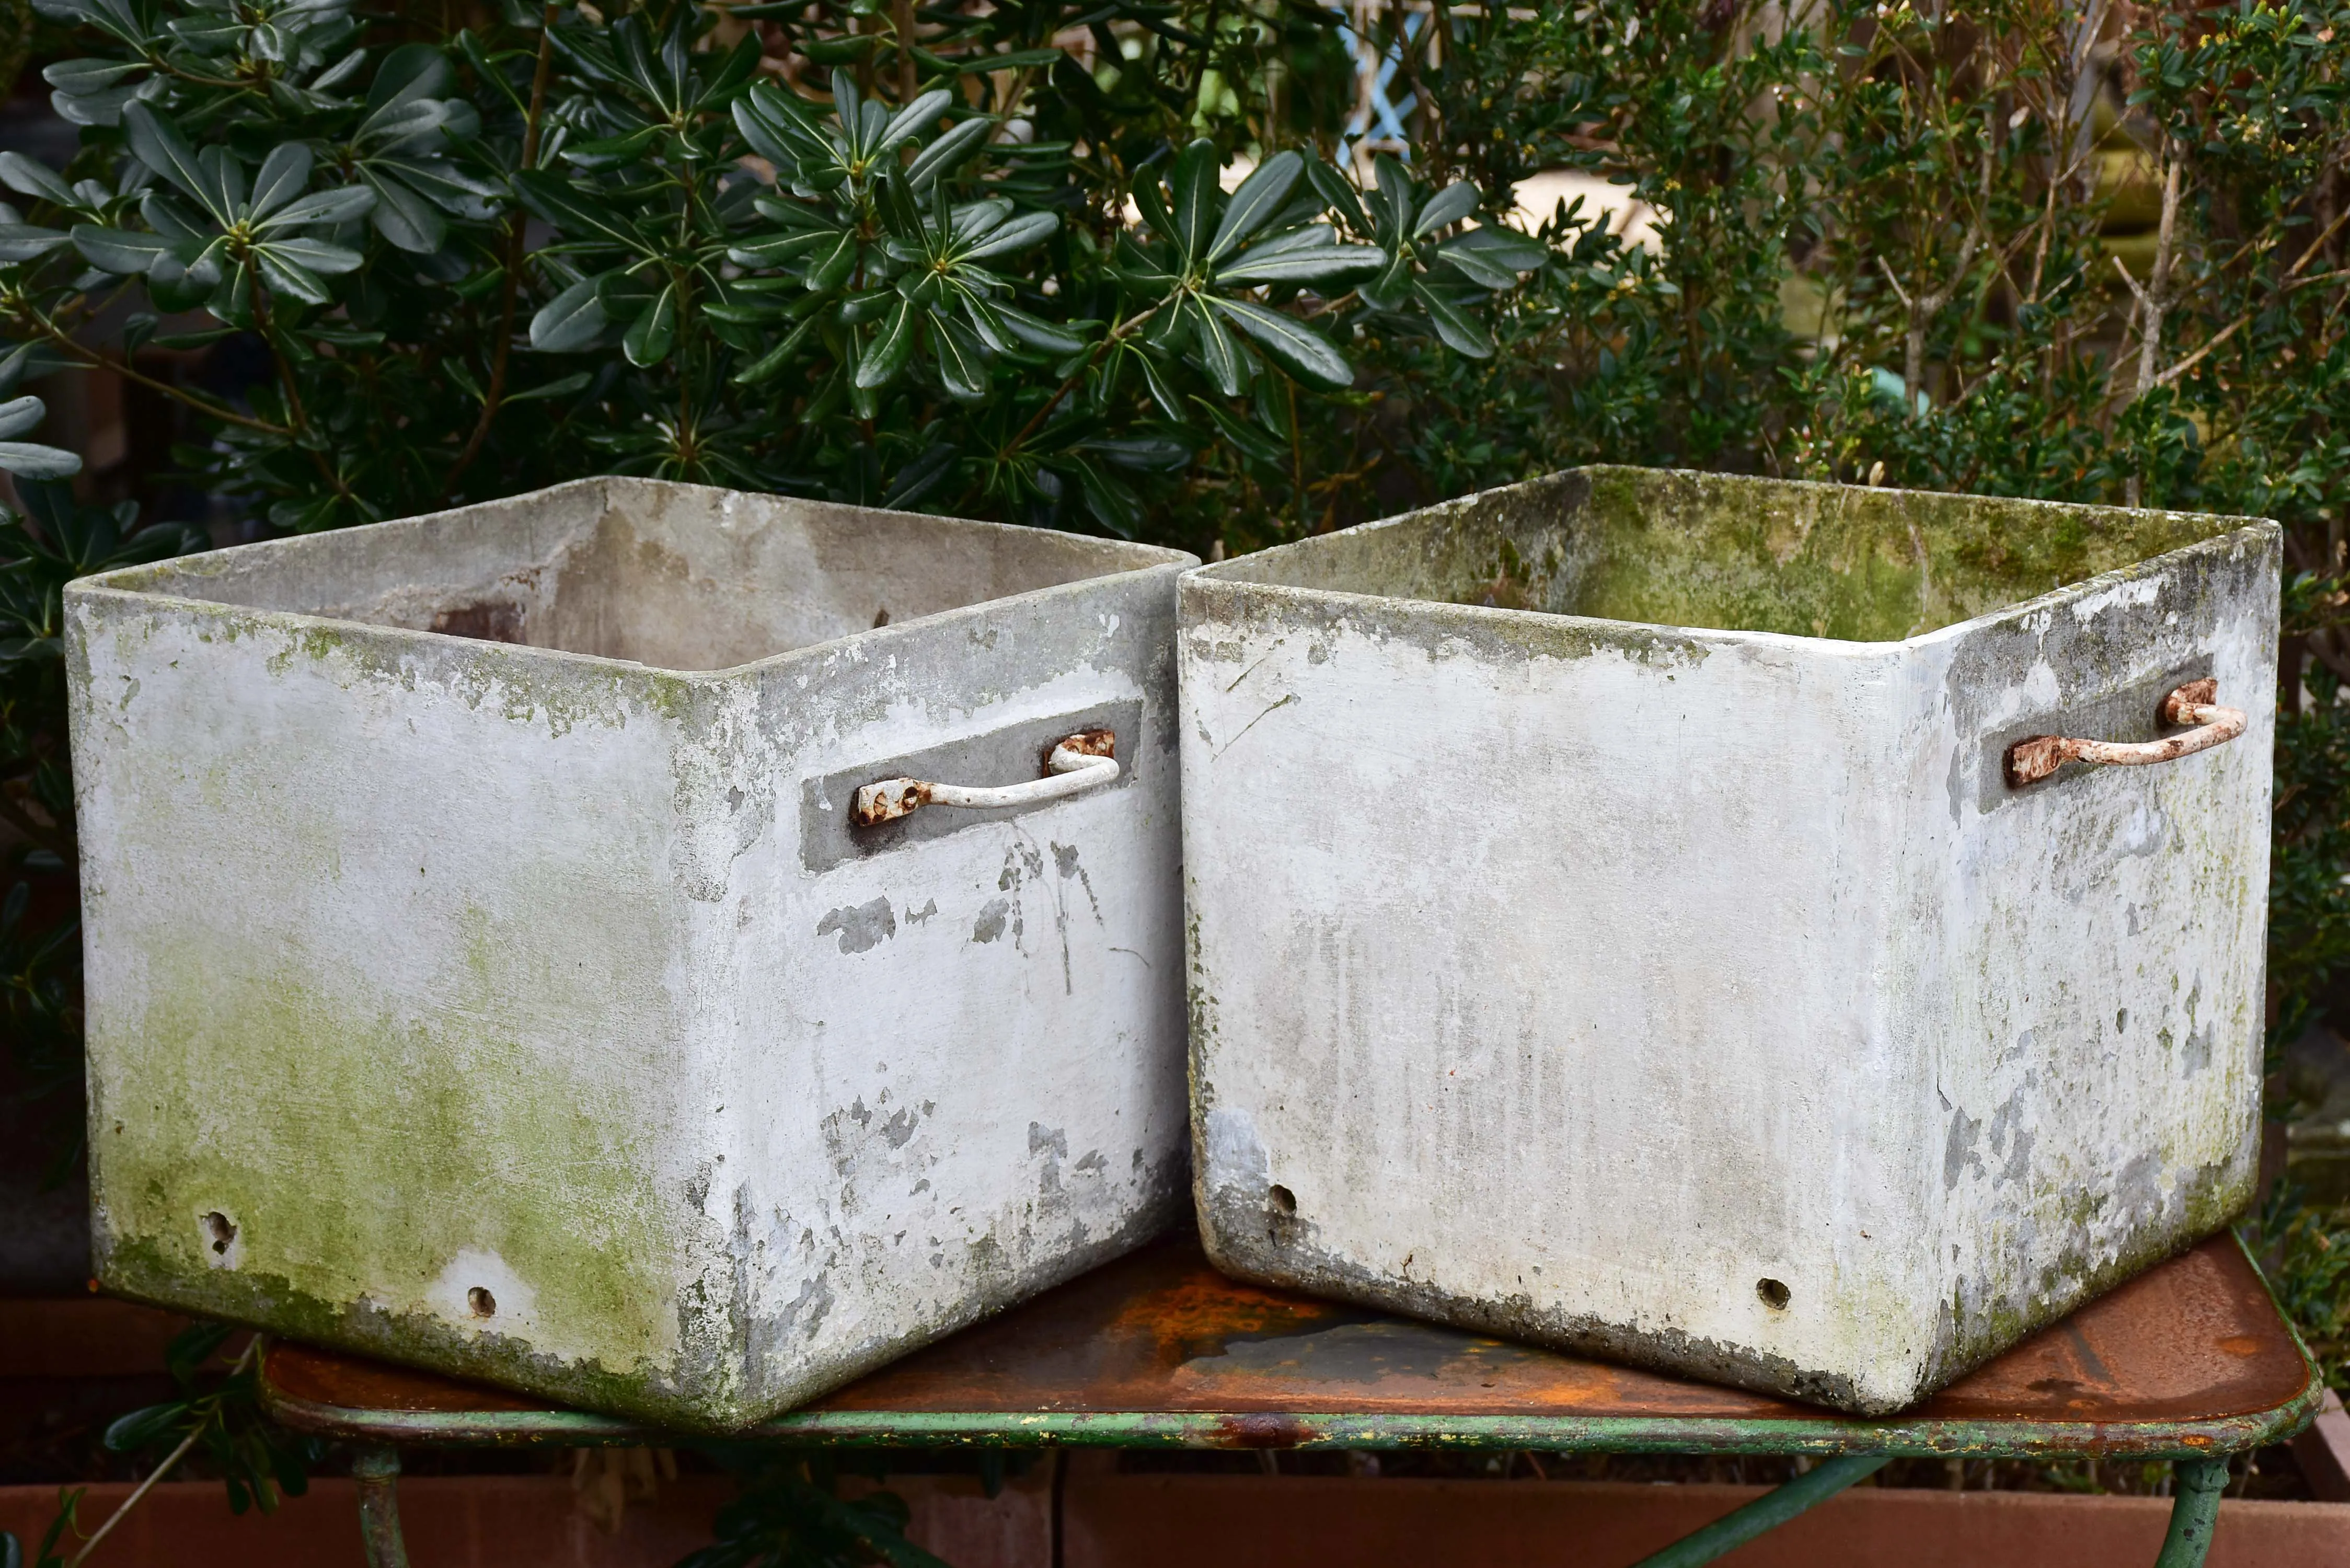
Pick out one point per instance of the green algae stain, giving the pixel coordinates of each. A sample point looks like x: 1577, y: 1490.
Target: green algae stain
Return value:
x: 1723, y: 552
x: 359, y: 1152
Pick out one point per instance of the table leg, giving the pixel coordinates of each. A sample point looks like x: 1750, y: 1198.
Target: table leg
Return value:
x: 2195, y: 1512
x: 1774, y: 1508
x: 376, y: 1468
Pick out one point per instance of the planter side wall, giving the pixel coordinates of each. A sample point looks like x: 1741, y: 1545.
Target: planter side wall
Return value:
x: 2087, y: 957
x: 355, y: 900
x: 958, y: 1076
x: 1530, y: 980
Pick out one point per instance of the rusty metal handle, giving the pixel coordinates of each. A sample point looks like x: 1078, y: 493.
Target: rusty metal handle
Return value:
x: 2029, y: 761
x: 1080, y: 762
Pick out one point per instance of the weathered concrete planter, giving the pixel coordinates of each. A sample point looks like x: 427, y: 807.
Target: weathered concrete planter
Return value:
x: 1611, y: 924
x: 534, y: 1013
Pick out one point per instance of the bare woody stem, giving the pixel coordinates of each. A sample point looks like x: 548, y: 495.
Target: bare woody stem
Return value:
x: 495, y: 397
x: 293, y: 392
x: 1922, y: 307
x: 1110, y: 339
x: 2153, y: 296
x: 159, y: 1472
x: 122, y: 367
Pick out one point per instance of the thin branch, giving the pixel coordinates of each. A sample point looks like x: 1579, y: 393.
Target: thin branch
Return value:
x: 902, y: 21
x: 2156, y: 296
x: 494, y: 399
x: 160, y: 1472
x: 1116, y: 335
x: 98, y: 359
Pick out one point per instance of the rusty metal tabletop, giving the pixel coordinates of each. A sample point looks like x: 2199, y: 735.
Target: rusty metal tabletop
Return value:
x: 1158, y: 1349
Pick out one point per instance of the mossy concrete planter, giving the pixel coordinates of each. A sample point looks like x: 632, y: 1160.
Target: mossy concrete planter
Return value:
x: 1611, y: 924
x: 521, y: 1003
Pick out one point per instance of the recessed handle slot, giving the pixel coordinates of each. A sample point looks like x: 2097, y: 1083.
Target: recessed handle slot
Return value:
x: 2035, y: 757
x: 1084, y: 760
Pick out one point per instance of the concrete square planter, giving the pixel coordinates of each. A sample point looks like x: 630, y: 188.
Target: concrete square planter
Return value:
x: 1613, y: 922
x: 523, y: 1003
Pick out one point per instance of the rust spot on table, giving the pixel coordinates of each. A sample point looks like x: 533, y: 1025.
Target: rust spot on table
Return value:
x: 1160, y: 1337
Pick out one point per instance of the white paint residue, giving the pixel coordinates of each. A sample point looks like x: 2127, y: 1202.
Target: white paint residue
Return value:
x: 478, y: 1289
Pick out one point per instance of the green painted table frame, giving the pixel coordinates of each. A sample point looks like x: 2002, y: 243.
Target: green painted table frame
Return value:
x: 2191, y: 1363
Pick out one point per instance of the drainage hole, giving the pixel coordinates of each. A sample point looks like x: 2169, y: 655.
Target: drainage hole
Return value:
x: 218, y: 1227
x: 484, y: 1303
x: 1774, y: 1294
x: 1281, y: 1199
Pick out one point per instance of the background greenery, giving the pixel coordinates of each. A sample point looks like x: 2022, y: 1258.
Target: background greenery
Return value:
x: 978, y: 259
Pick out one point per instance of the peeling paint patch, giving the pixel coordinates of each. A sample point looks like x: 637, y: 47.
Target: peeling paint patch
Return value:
x: 862, y: 928
x: 992, y: 916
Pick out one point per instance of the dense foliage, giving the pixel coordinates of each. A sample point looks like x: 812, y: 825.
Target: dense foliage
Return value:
x: 725, y: 276
x: 982, y: 259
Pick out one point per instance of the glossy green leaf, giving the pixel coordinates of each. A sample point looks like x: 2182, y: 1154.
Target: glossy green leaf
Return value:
x: 19, y: 416
x: 1260, y: 196
x: 30, y: 177
x: 923, y: 475
x: 342, y: 204
x: 157, y: 144
x: 1447, y: 207
x: 781, y: 249
x: 891, y: 346
x: 402, y: 215
x: 562, y: 387
x: 915, y: 119
x: 1249, y: 440
x: 144, y: 1426
x: 1479, y: 268
x: 1392, y: 199
x: 833, y: 271
x: 582, y: 217
x: 778, y: 358
x: 285, y: 174
x: 1018, y: 235
x: 943, y: 156
x: 572, y: 320
x: 1339, y: 192
x: 1154, y: 380
x: 79, y: 77
x: 1148, y: 454
x: 283, y: 275
x: 962, y: 361
x: 117, y: 250
x: 1111, y: 503
x: 1036, y: 332
x: 1293, y: 346
x: 1219, y: 355
x: 1391, y: 289
x: 1196, y: 196
x: 653, y: 333
x: 22, y: 242
x: 1304, y: 264
x: 317, y: 256
x: 1459, y: 332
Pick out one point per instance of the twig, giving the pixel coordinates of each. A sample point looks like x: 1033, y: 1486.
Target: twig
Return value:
x: 1296, y: 451
x: 1116, y: 335
x: 293, y: 392
x: 95, y: 358
x: 2156, y: 296
x: 159, y: 1472
x: 901, y: 22
x: 1926, y: 303
x: 494, y: 399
